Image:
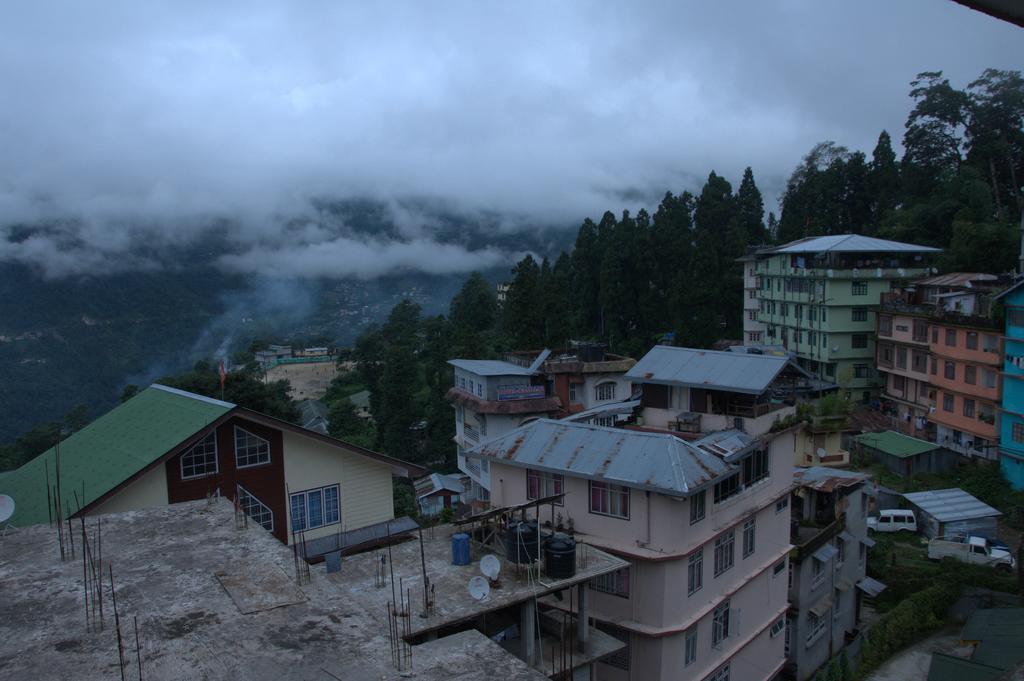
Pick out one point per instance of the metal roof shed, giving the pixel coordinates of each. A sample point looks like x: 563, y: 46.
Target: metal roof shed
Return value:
x: 905, y: 455
x: 948, y: 512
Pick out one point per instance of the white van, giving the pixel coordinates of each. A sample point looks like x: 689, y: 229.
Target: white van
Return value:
x: 893, y: 520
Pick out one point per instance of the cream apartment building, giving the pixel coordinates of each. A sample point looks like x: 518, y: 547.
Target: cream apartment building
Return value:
x: 704, y: 526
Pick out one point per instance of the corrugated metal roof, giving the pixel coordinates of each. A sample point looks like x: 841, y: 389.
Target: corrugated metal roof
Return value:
x: 611, y: 408
x: 728, y: 444
x: 896, y: 444
x: 964, y: 279
x: 436, y: 482
x: 826, y: 479
x: 947, y: 505
x: 872, y: 587
x: 490, y: 367
x: 111, y: 449
x: 711, y: 369
x: 826, y: 553
x: 654, y: 461
x: 850, y: 243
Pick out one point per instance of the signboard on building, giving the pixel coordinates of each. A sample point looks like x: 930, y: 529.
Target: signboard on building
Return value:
x: 520, y: 392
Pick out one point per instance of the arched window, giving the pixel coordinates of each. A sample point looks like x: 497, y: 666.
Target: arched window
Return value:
x: 605, y: 391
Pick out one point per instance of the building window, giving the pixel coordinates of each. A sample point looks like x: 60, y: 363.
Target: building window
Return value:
x: 606, y: 499
x: 861, y: 371
x: 901, y: 358
x: 798, y: 311
x: 605, y: 391
x: 201, y: 460
x: 947, y: 402
x: 970, y: 375
x: 817, y: 572
x: 991, y: 343
x: 255, y: 509
x: 540, y: 485
x: 899, y: 383
x: 250, y: 450
x: 615, y: 583
x: 697, y: 506
x: 969, y: 408
x: 574, y: 392
x: 778, y: 627
x: 784, y: 309
x: 606, y: 421
x: 951, y: 337
x: 779, y: 568
x: 1017, y: 429
x: 691, y: 647
x: 859, y: 340
x: 830, y: 368
x: 725, y: 552
x: 755, y: 467
x: 859, y: 288
x: 752, y: 314
x: 755, y: 336
x: 722, y: 674
x: 315, y: 508
x: 885, y: 355
x: 812, y: 338
x: 748, y: 537
x: 950, y: 370
x: 989, y: 377
x: 782, y: 504
x: 815, y: 626
x: 720, y: 624
x: 920, y: 331
x: 695, y: 572
x: 727, y: 488
x: 860, y: 314
x: 862, y: 552
x: 972, y: 340
x: 841, y: 548
x: 919, y: 362
x: 619, y: 660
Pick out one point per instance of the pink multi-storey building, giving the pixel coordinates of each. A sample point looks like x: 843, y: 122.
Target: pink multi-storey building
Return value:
x: 704, y: 526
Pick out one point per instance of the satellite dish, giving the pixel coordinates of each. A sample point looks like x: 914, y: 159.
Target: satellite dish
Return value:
x: 6, y: 507
x: 490, y: 566
x: 479, y: 589
x: 822, y: 453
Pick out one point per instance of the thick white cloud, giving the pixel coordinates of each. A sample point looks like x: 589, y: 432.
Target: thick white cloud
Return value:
x: 154, y: 119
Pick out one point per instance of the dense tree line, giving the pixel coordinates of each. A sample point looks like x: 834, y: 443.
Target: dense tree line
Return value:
x: 634, y: 280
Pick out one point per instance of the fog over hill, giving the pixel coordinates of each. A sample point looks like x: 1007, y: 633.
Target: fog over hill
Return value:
x: 178, y: 177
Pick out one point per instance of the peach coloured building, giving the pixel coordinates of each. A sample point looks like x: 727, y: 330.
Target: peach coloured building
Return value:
x: 903, y: 359
x: 704, y: 526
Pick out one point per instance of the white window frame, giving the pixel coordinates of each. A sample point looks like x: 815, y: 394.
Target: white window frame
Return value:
x: 815, y: 627
x: 205, y: 442
x: 304, y: 495
x: 720, y: 623
x: 614, y: 583
x: 777, y: 627
x: 239, y: 457
x: 698, y: 506
x: 690, y: 646
x: 725, y: 552
x: 613, y: 496
x: 749, y: 537
x: 604, y: 391
x: 782, y: 504
x: 247, y: 500
x: 548, y: 484
x: 695, y: 572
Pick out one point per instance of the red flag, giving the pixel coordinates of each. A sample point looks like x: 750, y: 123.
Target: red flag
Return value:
x: 223, y: 374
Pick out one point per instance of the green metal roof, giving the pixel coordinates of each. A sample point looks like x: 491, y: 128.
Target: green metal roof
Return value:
x: 1000, y: 636
x: 948, y: 668
x: 895, y: 444
x: 110, y: 450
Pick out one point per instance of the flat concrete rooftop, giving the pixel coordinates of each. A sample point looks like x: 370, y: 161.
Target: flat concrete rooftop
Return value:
x: 217, y: 601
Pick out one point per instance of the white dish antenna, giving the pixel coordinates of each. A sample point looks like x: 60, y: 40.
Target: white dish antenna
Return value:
x: 6, y: 507
x: 821, y: 452
x: 490, y: 566
x: 478, y: 587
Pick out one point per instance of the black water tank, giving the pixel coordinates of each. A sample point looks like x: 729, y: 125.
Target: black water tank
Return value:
x: 521, y: 542
x: 560, y: 557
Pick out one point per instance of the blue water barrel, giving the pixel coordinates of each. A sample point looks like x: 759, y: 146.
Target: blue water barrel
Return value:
x: 460, y: 549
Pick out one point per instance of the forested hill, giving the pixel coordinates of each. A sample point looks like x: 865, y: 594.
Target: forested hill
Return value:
x: 671, y: 275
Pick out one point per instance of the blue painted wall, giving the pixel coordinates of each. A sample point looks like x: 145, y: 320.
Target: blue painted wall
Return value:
x: 1012, y: 452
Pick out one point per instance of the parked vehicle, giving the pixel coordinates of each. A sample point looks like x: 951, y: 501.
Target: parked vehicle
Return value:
x: 893, y: 520
x: 970, y: 549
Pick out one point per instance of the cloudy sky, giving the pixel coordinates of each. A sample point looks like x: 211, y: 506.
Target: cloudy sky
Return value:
x: 141, y: 123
